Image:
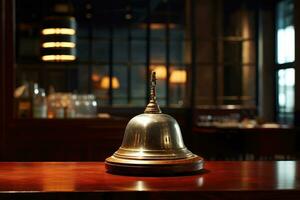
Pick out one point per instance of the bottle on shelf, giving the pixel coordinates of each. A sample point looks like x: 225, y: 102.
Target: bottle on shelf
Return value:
x: 39, y: 102
x: 51, y: 102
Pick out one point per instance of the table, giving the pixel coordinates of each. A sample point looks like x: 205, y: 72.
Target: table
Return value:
x: 89, y: 180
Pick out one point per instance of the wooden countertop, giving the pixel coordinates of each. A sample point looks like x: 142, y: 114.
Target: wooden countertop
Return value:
x: 261, y: 178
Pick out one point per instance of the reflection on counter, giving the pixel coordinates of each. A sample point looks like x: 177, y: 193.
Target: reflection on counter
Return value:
x: 286, y: 173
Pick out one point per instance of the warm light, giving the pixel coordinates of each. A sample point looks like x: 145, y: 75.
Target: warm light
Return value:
x: 95, y: 77
x: 58, y: 31
x: 178, y: 76
x: 140, y: 186
x: 58, y: 58
x: 161, y: 71
x: 59, y: 45
x: 159, y: 26
x: 49, y: 184
x: 104, y: 84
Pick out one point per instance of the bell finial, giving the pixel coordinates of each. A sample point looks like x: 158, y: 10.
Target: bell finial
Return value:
x: 152, y: 106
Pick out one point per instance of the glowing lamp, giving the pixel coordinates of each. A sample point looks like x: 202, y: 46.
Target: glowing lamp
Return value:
x: 178, y: 76
x: 58, y: 37
x: 58, y: 58
x: 104, y: 84
x: 160, y: 70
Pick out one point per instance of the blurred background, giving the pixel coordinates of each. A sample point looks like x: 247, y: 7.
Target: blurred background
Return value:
x: 75, y: 71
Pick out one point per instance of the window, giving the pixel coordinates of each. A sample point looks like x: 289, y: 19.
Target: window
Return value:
x: 116, y: 40
x: 285, y: 69
x: 226, y: 53
x: 286, y: 94
x: 205, y: 53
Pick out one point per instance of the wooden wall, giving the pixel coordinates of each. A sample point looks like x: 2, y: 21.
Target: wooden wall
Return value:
x: 6, y: 68
x: 2, y: 72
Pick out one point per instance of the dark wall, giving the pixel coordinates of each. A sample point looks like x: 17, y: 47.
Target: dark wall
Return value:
x: 2, y: 64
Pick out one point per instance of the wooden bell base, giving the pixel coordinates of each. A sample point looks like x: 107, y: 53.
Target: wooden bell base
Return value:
x: 191, y: 164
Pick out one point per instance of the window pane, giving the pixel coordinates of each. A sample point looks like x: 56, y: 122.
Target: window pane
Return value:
x: 138, y: 51
x: 158, y: 52
x: 177, y: 87
x: 138, y: 85
x: 107, y: 34
x: 120, y: 51
x: 286, y: 45
x: 286, y: 92
x: 82, y: 49
x: 138, y: 31
x: 177, y: 52
x: 285, y: 32
x: 101, y: 51
x: 161, y: 92
x: 120, y: 91
x: 100, y: 73
x: 285, y: 54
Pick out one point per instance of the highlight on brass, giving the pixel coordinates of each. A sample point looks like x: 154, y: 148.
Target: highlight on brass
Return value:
x: 153, y: 144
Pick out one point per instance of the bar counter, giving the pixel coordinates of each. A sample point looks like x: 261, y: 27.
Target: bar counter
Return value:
x: 220, y: 179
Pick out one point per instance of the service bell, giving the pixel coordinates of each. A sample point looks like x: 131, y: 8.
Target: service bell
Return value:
x: 153, y: 144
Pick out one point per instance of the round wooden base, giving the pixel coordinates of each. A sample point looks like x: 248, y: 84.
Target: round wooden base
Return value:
x: 116, y: 165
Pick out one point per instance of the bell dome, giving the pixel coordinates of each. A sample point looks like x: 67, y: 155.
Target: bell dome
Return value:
x: 153, y: 136
x: 153, y: 144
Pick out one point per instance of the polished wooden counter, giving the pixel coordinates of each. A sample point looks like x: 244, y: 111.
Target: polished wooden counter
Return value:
x: 231, y: 180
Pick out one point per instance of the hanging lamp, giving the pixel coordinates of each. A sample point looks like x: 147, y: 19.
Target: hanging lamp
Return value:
x: 178, y: 77
x: 58, y: 35
x: 105, y: 82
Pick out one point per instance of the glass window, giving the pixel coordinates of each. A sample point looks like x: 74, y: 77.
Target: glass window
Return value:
x: 286, y: 94
x: 120, y: 90
x: 285, y: 32
x: 285, y: 45
x: 101, y: 51
x: 178, y: 78
x: 285, y: 58
x: 138, y: 92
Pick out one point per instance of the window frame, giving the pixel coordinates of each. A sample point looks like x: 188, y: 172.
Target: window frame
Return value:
x: 278, y: 66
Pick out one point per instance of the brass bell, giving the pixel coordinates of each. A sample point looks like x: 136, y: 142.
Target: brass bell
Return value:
x: 153, y: 144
